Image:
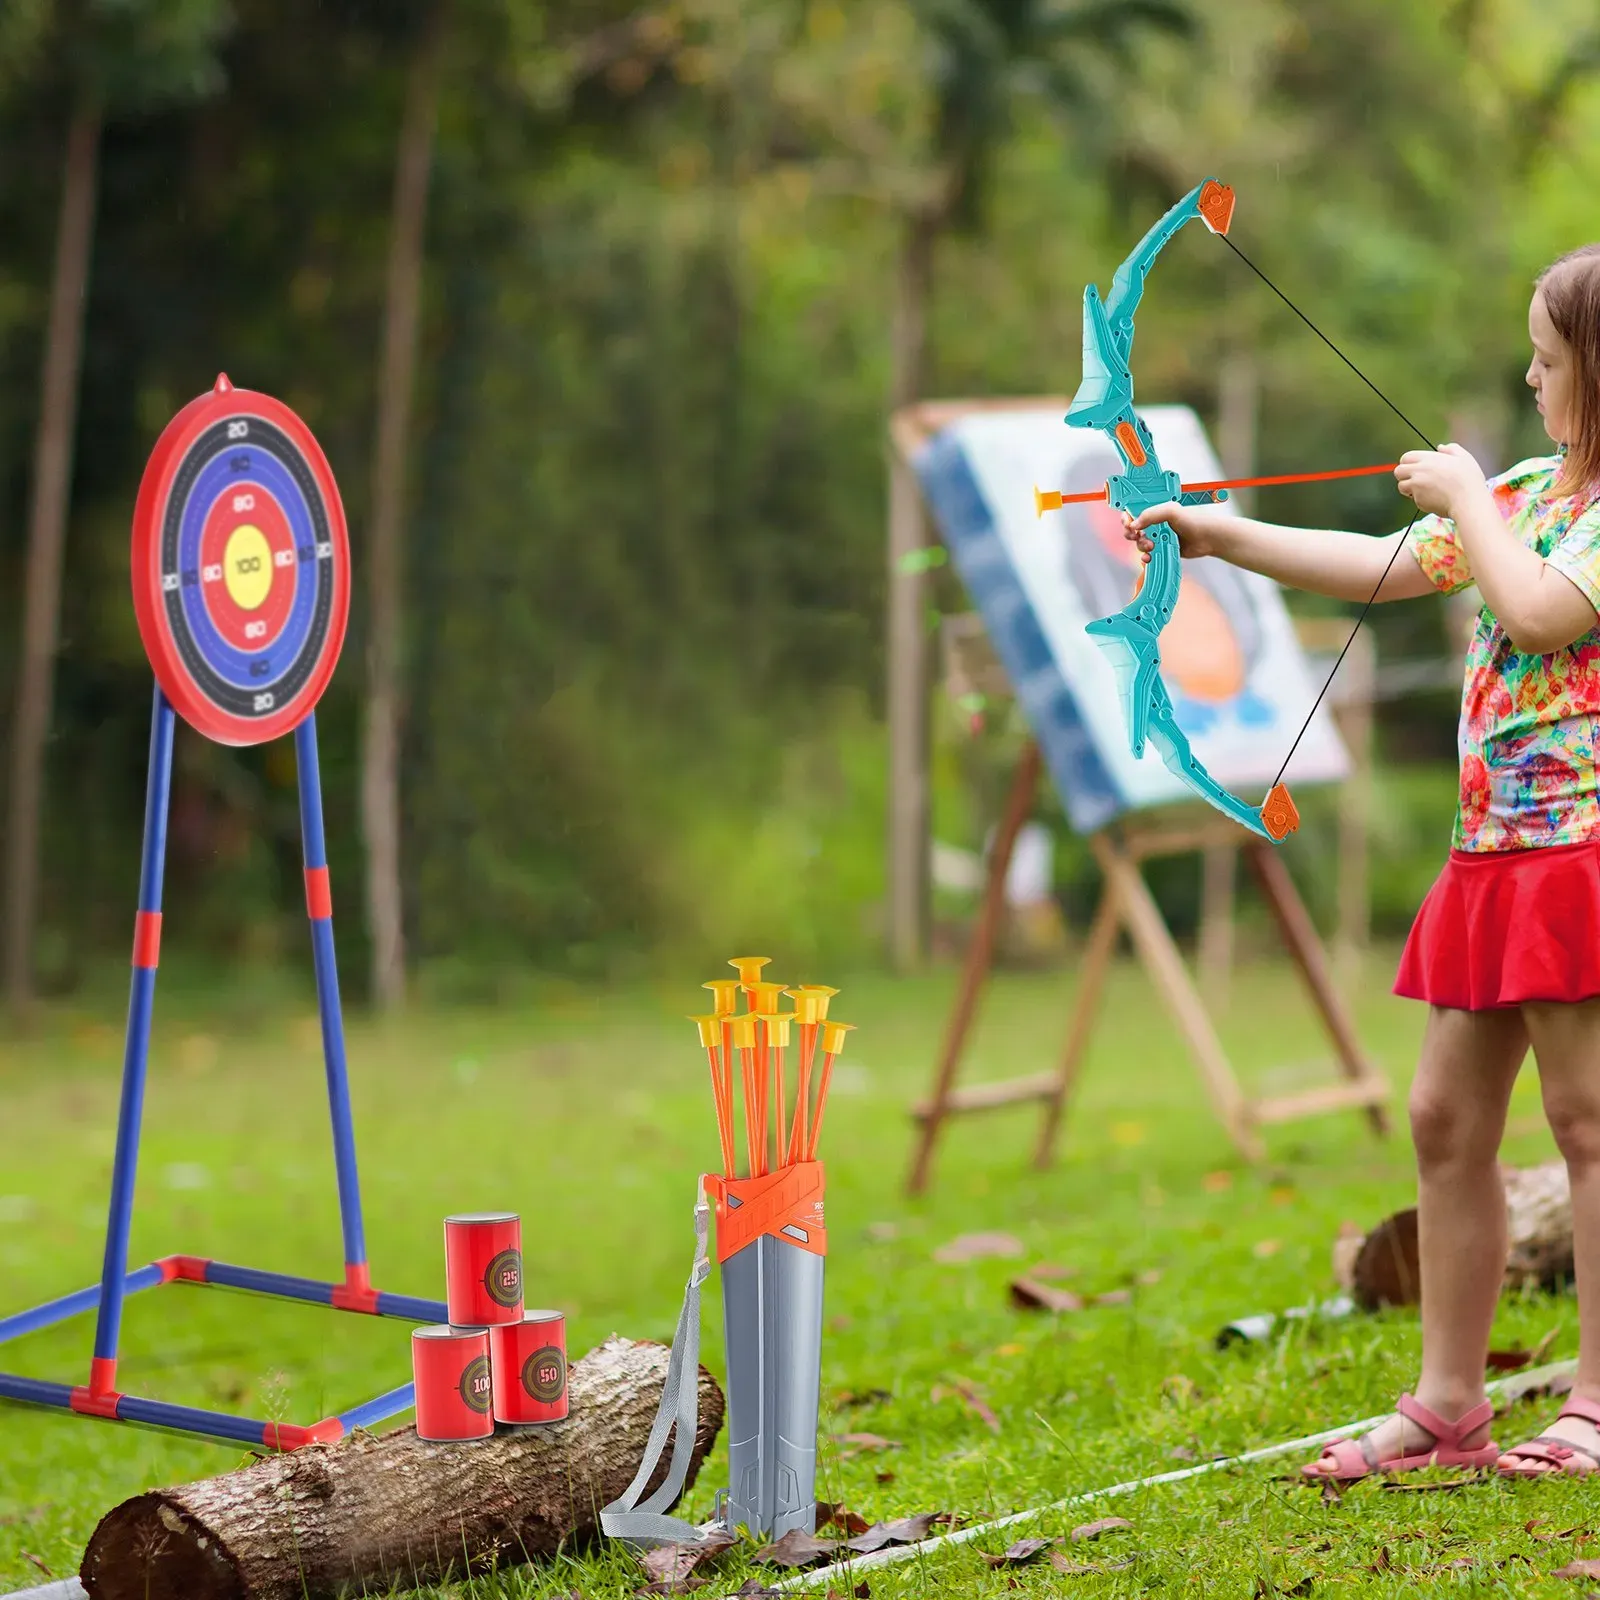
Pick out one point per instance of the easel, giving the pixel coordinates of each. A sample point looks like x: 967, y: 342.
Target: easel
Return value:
x: 1126, y: 904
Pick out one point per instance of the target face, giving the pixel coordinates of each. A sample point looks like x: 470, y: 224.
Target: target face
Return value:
x: 241, y: 566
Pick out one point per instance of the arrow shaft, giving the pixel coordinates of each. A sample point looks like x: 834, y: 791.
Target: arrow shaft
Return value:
x: 1052, y: 501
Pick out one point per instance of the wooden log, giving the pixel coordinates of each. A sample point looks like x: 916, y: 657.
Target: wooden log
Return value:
x: 1380, y: 1268
x: 370, y: 1513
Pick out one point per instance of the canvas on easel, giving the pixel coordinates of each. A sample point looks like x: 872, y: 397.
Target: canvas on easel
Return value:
x: 1241, y: 687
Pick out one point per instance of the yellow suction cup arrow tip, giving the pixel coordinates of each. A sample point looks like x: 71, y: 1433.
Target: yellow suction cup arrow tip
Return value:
x: 744, y: 1030
x: 811, y: 1001
x: 710, y: 1030
x: 777, y: 1025
x: 749, y: 968
x: 764, y: 997
x: 1045, y: 500
x: 833, y: 1036
x: 724, y: 995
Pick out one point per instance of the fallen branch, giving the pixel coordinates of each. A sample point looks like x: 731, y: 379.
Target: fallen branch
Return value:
x: 372, y: 1512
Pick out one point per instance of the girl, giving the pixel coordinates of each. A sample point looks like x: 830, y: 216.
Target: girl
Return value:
x: 1506, y: 947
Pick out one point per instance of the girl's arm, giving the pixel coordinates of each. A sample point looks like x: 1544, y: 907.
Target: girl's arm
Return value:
x: 1540, y: 608
x: 1343, y: 566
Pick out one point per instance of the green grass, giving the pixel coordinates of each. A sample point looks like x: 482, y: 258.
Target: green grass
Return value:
x: 590, y: 1114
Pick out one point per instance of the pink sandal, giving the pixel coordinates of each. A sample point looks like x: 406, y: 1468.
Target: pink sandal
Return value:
x: 1546, y: 1454
x: 1345, y: 1460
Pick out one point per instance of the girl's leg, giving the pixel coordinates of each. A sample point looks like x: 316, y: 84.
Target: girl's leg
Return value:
x: 1463, y: 1085
x: 1566, y: 1044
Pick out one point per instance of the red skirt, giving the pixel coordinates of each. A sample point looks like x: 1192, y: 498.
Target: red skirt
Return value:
x: 1502, y: 926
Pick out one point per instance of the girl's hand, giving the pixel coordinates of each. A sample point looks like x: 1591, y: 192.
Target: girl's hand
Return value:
x: 1194, y: 526
x: 1441, y: 481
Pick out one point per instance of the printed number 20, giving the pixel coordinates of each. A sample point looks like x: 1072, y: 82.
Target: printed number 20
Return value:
x: 238, y: 430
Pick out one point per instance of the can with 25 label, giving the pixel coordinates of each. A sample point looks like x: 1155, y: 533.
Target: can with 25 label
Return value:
x: 483, y: 1268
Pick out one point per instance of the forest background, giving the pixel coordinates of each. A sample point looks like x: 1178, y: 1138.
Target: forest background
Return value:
x: 598, y: 309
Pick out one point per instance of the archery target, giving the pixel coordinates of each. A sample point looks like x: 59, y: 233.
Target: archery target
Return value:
x: 241, y: 566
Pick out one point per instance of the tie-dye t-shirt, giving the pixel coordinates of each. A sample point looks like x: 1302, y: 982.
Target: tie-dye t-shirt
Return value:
x: 1529, y: 724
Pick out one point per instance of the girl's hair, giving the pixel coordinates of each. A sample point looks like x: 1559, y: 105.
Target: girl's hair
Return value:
x: 1571, y: 289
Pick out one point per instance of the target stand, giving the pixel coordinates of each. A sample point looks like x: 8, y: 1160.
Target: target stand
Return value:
x: 241, y: 584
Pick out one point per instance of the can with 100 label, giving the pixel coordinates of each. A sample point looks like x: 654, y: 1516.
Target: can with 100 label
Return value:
x: 455, y: 1385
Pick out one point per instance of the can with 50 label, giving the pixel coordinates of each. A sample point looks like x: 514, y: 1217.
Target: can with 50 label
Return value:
x: 483, y: 1268
x: 529, y: 1362
x: 454, y: 1383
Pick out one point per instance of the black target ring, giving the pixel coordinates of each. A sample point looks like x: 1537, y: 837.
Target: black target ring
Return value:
x: 241, y: 566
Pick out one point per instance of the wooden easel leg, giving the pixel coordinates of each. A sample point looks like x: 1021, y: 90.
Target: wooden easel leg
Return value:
x: 1219, y: 872
x: 1096, y: 962
x: 1161, y: 956
x: 1296, y: 927
x: 980, y: 953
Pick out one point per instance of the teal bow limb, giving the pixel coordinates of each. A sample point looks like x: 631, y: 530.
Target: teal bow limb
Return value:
x: 1131, y: 636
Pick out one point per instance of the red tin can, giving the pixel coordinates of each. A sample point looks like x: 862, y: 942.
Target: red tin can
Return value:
x: 529, y: 1361
x: 483, y: 1268
x: 454, y: 1383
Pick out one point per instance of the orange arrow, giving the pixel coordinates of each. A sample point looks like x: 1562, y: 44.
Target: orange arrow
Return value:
x: 1052, y: 499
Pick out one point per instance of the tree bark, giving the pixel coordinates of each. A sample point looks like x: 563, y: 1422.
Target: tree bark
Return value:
x: 910, y: 656
x: 47, y: 530
x: 380, y: 755
x: 369, y: 1513
x: 1380, y: 1268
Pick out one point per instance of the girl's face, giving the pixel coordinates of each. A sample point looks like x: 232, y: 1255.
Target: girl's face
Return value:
x: 1550, y: 372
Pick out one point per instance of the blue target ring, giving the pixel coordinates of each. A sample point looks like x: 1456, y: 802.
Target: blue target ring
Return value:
x: 240, y: 669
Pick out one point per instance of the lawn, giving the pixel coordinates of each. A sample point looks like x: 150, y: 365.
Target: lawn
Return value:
x: 591, y: 1113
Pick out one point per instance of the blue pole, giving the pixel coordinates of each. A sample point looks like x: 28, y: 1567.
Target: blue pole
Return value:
x: 319, y: 904
x: 70, y: 1305
x: 136, y: 1051
x: 379, y: 1409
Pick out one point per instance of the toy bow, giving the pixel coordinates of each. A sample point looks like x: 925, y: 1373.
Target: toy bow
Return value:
x: 1131, y: 636
x: 1105, y: 401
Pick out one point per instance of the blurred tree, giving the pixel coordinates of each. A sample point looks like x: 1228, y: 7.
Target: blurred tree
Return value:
x: 981, y: 56
x: 380, y: 751
x: 110, y: 57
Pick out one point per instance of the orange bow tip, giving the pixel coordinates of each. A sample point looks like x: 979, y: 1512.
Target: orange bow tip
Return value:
x: 744, y: 1030
x: 1279, y: 814
x: 1215, y: 205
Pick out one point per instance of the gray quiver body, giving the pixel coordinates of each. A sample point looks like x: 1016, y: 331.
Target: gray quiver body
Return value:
x: 772, y: 1280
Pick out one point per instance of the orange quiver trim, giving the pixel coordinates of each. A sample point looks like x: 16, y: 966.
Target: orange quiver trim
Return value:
x: 786, y: 1203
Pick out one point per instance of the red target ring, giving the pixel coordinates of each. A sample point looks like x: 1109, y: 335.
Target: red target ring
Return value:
x: 241, y: 566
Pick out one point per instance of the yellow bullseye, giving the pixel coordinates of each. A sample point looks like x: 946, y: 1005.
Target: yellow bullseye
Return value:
x: 247, y: 566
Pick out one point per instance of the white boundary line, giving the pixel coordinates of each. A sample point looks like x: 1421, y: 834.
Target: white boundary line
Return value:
x: 1512, y: 1386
